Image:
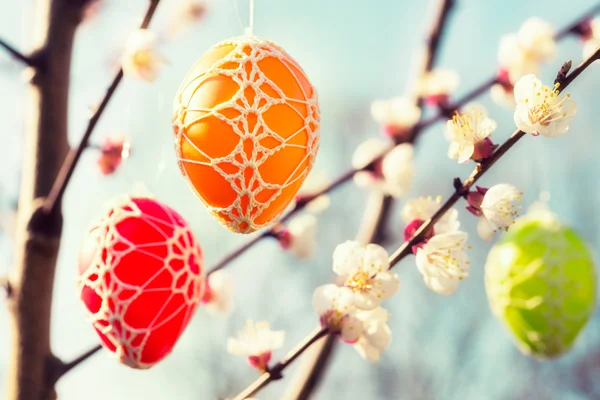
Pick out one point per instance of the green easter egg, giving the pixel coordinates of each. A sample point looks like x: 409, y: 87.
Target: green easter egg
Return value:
x: 541, y: 282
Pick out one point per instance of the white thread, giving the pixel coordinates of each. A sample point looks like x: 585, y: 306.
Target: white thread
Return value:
x: 251, y: 25
x: 116, y: 296
x: 248, y: 51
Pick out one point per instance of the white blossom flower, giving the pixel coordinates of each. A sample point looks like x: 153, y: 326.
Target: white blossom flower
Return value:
x: 334, y: 305
x: 503, y: 95
x: 593, y: 41
x: 186, y: 14
x: 540, y: 109
x: 364, y: 154
x: 256, y: 341
x: 423, y: 208
x: 443, y: 262
x: 521, y: 53
x: 303, y: 241
x: 140, y: 59
x: 396, y: 115
x: 315, y: 182
x: 397, y: 169
x: 467, y: 130
x: 501, y: 206
x: 365, y: 270
x: 392, y: 175
x: 438, y: 84
x: 218, y: 292
x: 376, y: 334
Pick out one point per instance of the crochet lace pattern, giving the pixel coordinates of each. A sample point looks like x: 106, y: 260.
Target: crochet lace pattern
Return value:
x: 144, y: 253
x: 244, y: 114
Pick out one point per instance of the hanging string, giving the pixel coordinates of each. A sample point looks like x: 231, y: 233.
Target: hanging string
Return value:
x: 249, y: 30
x: 251, y: 24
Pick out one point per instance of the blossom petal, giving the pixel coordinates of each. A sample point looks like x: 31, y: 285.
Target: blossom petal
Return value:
x: 465, y: 152
x: 366, y: 300
x: 524, y: 87
x: 347, y: 257
x: 352, y: 328
x: 485, y: 229
x: 386, y: 285
x: 375, y: 259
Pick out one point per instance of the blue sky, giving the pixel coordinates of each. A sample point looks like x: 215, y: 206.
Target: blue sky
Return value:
x: 353, y: 52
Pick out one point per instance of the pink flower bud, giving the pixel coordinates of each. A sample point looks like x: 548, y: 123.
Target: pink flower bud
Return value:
x: 413, y: 227
x: 584, y: 30
x: 260, y: 362
x: 503, y: 78
x: 207, y: 296
x: 112, y: 152
x: 474, y: 199
x: 483, y: 149
x: 439, y: 100
x: 395, y: 132
x: 283, y: 236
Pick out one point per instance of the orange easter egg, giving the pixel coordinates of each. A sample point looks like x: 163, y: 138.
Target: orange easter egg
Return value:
x: 246, y: 123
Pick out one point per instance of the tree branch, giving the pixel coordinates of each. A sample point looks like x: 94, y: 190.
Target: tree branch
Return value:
x: 315, y: 363
x: 66, y: 367
x: 406, y: 248
x: 479, y: 90
x: 32, y: 370
x: 373, y: 227
x: 66, y: 172
x: 16, y: 53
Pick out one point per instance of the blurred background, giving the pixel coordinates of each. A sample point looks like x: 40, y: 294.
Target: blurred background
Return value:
x: 353, y: 52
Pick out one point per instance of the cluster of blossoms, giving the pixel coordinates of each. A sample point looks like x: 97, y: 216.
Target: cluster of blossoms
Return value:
x: 440, y: 255
x: 353, y: 309
x: 469, y: 134
x: 521, y: 54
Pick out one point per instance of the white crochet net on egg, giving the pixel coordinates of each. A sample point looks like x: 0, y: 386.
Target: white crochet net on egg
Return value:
x: 243, y: 218
x: 183, y: 262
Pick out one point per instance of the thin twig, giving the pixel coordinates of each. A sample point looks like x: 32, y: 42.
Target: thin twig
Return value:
x: 441, y: 115
x: 274, y: 373
x: 16, y: 53
x: 405, y: 248
x: 6, y: 286
x: 52, y: 202
x: 70, y: 365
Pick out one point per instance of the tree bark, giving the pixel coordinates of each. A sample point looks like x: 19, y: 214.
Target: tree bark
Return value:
x: 30, y: 374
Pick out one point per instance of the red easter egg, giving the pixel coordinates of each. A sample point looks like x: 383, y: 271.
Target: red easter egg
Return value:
x: 140, y: 278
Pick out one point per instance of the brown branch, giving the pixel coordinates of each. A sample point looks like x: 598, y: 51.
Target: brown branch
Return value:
x: 37, y: 244
x: 405, y: 249
x: 317, y: 359
x: 274, y: 373
x: 52, y: 203
x: 373, y: 227
x: 32, y: 369
x: 66, y: 367
x: 66, y: 172
x: 479, y: 90
x: 16, y: 53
